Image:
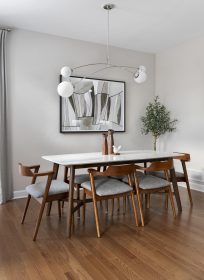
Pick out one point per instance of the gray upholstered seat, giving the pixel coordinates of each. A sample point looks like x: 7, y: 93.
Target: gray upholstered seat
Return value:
x: 152, y: 182
x: 162, y: 174
x: 37, y: 190
x: 107, y: 186
x: 139, y: 175
x: 79, y: 179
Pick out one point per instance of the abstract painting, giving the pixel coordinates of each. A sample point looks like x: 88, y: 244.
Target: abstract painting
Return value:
x: 95, y: 106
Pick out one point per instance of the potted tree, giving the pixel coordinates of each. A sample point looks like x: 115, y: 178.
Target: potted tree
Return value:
x: 157, y: 120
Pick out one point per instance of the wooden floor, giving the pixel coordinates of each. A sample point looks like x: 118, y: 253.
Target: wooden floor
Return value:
x: 163, y: 249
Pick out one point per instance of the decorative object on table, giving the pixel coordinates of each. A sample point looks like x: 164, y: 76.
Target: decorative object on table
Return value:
x: 67, y: 88
x: 110, y: 141
x: 157, y: 120
x: 116, y: 150
x: 95, y: 106
x: 105, y: 144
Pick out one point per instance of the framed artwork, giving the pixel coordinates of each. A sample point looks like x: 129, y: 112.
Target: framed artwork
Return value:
x: 95, y: 106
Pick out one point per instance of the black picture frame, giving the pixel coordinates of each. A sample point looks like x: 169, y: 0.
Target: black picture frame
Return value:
x: 123, y: 94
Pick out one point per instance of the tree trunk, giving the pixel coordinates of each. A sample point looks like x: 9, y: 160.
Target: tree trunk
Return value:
x: 155, y: 143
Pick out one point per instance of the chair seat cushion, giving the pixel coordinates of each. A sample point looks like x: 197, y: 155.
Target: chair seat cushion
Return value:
x: 107, y: 186
x: 79, y: 179
x: 161, y: 174
x: 37, y: 190
x: 148, y: 182
x: 138, y: 174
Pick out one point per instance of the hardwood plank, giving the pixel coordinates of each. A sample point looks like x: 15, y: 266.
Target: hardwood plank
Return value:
x: 163, y: 249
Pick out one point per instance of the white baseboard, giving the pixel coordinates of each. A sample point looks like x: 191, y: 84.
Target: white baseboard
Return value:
x: 196, y: 178
x: 19, y: 194
x: 195, y: 185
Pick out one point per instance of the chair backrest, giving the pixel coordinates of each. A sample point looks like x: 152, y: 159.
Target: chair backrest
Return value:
x: 114, y: 170
x: 25, y: 170
x: 157, y: 166
x: 183, y: 156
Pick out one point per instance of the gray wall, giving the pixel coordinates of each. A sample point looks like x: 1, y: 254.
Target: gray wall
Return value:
x: 180, y: 84
x: 35, y: 60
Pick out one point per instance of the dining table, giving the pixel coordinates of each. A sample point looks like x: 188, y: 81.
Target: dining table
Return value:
x: 96, y: 159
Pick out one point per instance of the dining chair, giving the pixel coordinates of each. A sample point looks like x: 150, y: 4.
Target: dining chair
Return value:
x: 125, y: 180
x: 78, y: 180
x: 43, y: 191
x: 180, y: 176
x: 149, y: 184
x: 102, y: 187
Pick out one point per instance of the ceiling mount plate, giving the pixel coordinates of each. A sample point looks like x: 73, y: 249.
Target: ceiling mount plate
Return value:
x: 108, y: 7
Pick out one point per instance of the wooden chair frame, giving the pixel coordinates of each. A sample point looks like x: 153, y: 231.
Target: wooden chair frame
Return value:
x: 125, y: 170
x: 183, y: 157
x: 27, y: 171
x: 155, y: 166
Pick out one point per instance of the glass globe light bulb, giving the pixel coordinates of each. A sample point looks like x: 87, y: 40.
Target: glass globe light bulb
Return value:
x: 66, y: 71
x: 65, y: 89
x: 140, y: 75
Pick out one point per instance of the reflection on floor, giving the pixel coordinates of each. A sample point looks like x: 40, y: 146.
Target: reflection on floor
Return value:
x: 163, y: 249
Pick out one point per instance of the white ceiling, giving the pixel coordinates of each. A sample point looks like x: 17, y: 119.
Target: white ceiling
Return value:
x: 145, y: 25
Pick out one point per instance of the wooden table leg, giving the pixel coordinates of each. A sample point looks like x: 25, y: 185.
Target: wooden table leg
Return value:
x: 55, y: 169
x: 175, y: 187
x: 70, y: 204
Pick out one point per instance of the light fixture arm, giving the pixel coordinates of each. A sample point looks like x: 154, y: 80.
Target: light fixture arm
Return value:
x: 66, y: 88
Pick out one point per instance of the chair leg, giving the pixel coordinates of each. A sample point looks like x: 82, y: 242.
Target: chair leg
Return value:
x: 134, y: 209
x: 78, y: 197
x: 96, y: 217
x: 112, y: 209
x: 142, y: 198
x: 187, y: 182
x: 189, y: 192
x: 84, y: 207
x: 49, y: 207
x: 39, y: 220
x: 118, y: 204
x: 63, y: 204
x: 128, y: 201
x: 106, y: 203
x: 172, y: 202
x: 124, y: 205
x: 26, y: 208
x: 166, y: 199
x: 140, y: 206
x: 147, y: 200
x: 59, y: 209
x: 73, y: 222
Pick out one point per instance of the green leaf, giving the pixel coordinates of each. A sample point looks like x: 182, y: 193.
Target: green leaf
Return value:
x: 157, y: 120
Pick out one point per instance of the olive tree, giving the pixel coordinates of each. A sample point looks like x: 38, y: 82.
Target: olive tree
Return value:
x: 157, y: 120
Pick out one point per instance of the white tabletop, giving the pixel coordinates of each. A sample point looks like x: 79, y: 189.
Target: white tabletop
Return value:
x: 98, y: 158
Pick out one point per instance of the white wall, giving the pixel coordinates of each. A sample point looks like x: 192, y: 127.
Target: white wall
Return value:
x: 180, y: 85
x: 34, y: 63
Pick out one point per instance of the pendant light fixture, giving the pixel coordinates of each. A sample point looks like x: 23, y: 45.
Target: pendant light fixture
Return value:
x: 66, y: 88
